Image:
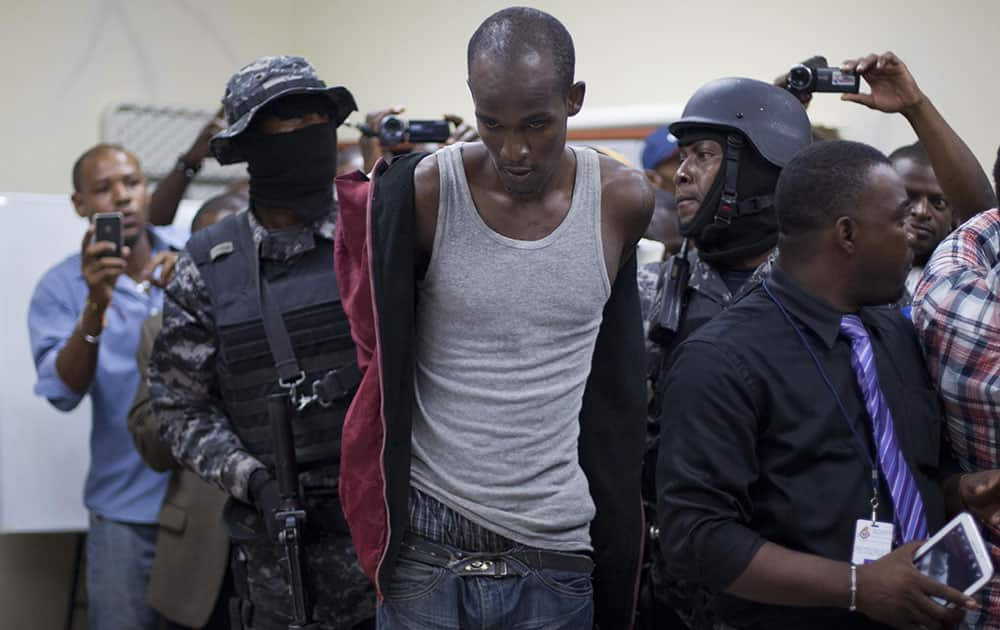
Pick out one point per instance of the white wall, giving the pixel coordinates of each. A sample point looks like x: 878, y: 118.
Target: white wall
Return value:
x: 654, y: 52
x: 66, y: 61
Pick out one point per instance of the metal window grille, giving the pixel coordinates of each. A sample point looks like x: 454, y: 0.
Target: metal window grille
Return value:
x: 158, y: 135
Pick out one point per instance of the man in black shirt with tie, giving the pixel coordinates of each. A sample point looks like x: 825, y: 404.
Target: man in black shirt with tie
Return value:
x: 786, y: 404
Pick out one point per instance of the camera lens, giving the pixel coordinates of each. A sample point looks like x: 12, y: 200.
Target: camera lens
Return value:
x: 393, y: 130
x: 800, y: 78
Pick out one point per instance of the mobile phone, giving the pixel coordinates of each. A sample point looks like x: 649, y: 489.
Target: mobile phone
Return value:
x: 956, y: 556
x: 108, y: 227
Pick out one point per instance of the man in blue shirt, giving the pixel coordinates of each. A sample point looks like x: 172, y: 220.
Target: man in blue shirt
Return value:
x: 84, y: 321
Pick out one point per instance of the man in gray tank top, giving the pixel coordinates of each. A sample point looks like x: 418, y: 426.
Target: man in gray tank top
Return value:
x: 522, y: 238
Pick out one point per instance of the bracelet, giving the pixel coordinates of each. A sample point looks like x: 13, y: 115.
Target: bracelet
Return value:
x: 854, y: 588
x: 90, y: 307
x: 189, y: 169
x: 91, y: 339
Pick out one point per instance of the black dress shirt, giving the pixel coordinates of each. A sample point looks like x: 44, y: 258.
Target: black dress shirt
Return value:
x: 755, y: 449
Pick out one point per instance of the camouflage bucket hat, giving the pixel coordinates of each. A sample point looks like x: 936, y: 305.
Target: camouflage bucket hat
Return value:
x: 263, y: 81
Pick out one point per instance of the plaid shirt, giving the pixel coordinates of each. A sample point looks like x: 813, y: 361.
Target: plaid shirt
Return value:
x: 956, y: 309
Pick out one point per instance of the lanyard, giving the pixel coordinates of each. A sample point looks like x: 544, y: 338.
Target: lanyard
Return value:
x: 836, y: 397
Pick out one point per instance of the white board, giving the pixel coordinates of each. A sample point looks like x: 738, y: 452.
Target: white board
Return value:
x: 44, y: 453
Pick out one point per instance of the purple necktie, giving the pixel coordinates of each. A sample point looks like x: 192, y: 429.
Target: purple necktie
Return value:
x: 909, y: 507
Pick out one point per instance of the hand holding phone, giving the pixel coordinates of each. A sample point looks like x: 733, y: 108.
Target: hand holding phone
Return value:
x: 956, y: 556
x: 102, y: 259
x: 108, y: 228
x: 892, y: 591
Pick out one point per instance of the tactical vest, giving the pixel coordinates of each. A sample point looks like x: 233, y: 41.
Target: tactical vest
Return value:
x: 305, y: 289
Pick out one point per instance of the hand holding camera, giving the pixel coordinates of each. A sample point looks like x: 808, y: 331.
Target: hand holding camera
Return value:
x: 893, y: 88
x: 391, y: 129
x: 815, y: 75
x: 385, y: 130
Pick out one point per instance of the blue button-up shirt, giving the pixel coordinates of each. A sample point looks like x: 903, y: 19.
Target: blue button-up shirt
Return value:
x: 119, y: 485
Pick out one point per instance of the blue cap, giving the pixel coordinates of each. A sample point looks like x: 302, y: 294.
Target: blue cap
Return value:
x: 659, y: 146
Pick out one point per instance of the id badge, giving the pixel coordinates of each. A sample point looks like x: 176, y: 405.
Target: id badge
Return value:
x: 872, y: 540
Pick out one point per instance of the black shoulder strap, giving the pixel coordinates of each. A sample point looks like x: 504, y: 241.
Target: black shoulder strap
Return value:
x: 274, y: 324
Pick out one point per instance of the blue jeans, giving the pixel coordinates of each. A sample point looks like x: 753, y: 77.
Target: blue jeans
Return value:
x: 424, y: 597
x: 119, y: 558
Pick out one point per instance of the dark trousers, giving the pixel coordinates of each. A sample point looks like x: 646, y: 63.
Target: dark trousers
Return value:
x: 340, y: 594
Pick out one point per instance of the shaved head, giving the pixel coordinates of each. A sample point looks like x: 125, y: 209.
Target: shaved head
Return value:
x: 519, y: 32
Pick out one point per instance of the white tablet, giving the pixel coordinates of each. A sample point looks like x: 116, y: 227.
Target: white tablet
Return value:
x: 956, y: 556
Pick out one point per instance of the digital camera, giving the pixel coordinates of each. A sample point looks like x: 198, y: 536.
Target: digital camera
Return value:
x: 815, y: 76
x: 396, y: 130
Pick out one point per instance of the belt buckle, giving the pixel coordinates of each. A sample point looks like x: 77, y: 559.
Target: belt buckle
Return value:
x: 496, y: 568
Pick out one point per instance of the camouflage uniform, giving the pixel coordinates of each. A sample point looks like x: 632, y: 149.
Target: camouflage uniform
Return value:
x: 185, y: 383
x: 184, y: 389
x: 691, y: 604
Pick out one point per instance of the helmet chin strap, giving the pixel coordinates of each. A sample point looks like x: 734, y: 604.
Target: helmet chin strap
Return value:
x: 730, y: 206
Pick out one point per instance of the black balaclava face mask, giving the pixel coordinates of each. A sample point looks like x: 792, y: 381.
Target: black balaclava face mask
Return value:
x: 293, y: 170
x: 728, y: 245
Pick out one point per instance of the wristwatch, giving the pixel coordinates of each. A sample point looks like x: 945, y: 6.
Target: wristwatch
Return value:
x: 189, y: 169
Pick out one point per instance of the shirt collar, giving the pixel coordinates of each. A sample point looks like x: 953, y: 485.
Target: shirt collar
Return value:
x: 284, y: 244
x: 817, y: 315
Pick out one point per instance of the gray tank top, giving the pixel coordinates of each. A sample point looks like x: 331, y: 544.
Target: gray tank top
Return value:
x: 505, y: 336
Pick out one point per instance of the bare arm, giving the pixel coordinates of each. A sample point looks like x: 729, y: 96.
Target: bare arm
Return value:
x: 962, y: 179
x: 76, y: 363
x: 167, y: 196
x: 427, y: 197
x: 890, y: 590
x: 626, y: 209
x: 894, y: 90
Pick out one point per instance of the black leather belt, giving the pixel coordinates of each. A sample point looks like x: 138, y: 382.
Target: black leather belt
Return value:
x: 492, y: 564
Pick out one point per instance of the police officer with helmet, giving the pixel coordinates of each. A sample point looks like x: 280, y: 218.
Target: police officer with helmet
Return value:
x: 255, y: 367
x: 735, y: 135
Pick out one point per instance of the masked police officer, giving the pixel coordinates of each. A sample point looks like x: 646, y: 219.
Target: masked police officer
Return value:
x: 255, y: 367
x: 735, y: 135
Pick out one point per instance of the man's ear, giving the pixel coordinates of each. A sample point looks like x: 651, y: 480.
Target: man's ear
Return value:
x: 846, y: 234
x: 81, y: 209
x: 575, y: 98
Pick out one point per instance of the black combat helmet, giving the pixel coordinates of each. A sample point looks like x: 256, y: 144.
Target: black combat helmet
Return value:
x: 772, y: 119
x: 760, y: 128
